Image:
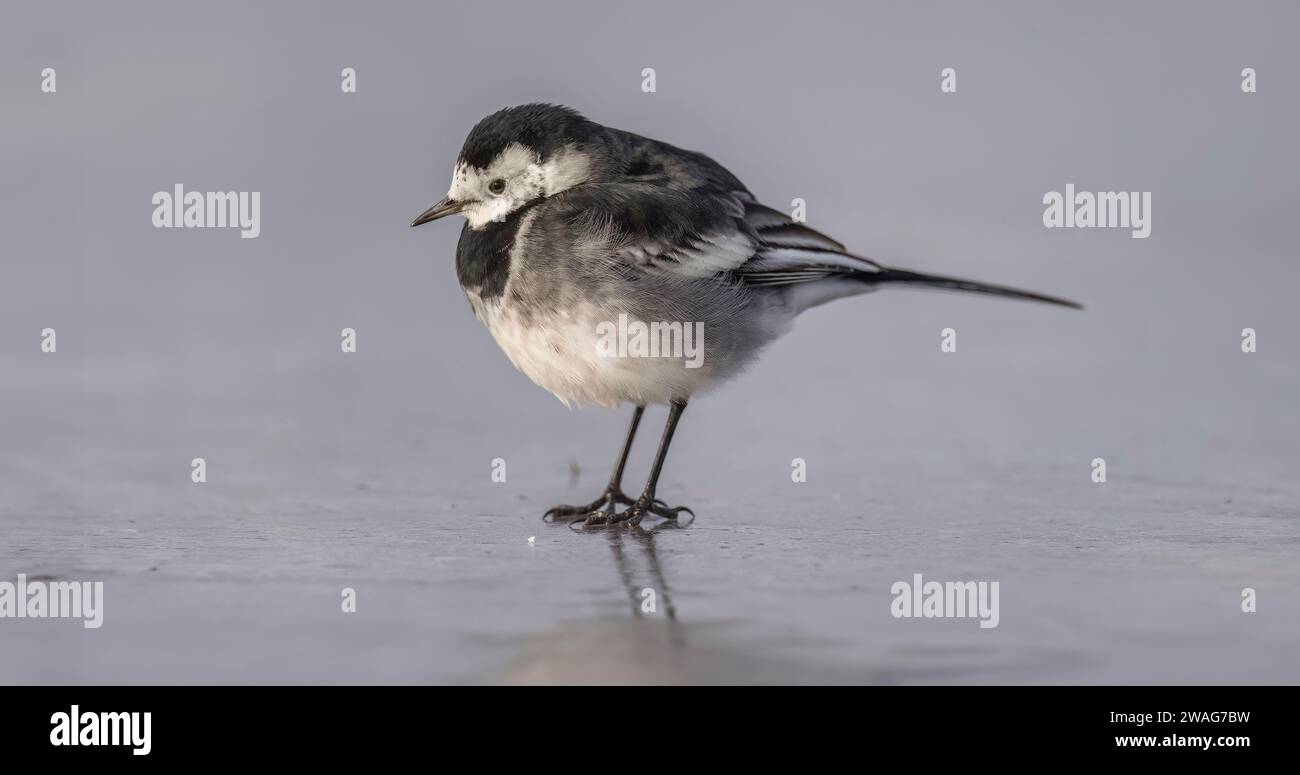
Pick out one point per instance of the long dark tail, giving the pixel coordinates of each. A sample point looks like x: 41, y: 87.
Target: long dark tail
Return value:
x: 902, y: 276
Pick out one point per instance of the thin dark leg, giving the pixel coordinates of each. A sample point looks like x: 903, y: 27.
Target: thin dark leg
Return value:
x: 616, y: 478
x: 674, y: 414
x: 647, y: 504
x: 613, y: 495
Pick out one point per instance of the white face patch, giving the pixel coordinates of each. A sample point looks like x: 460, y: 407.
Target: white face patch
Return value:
x: 524, y: 177
x: 517, y: 167
x: 568, y: 169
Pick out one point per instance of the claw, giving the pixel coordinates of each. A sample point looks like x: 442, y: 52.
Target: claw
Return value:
x: 610, y: 498
x: 640, y: 508
x: 554, y: 513
x: 603, y: 512
x: 670, y: 513
x: 594, y: 519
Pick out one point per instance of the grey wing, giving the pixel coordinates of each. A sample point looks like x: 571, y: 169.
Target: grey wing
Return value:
x: 790, y: 253
x: 707, y: 232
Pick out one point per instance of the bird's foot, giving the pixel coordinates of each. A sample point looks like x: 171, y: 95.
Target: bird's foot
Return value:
x: 640, y: 509
x: 604, y: 506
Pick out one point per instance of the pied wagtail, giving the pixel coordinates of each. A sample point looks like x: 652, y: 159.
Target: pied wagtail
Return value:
x: 571, y: 226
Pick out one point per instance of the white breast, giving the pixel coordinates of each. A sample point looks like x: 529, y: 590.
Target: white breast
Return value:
x: 559, y: 353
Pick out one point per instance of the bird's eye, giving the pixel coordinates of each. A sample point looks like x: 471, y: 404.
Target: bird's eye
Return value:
x: 497, y: 186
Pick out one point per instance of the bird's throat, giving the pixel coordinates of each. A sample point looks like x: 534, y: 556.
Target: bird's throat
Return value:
x: 483, y: 256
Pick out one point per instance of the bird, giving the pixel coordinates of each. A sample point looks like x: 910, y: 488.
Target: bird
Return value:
x: 574, y: 230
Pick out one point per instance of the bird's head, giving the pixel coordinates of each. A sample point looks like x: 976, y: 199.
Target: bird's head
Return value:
x: 517, y: 156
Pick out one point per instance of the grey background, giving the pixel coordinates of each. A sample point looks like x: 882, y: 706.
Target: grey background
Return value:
x: 371, y: 470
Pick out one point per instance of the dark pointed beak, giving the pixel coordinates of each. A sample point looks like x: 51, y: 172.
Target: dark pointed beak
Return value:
x: 443, y: 207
